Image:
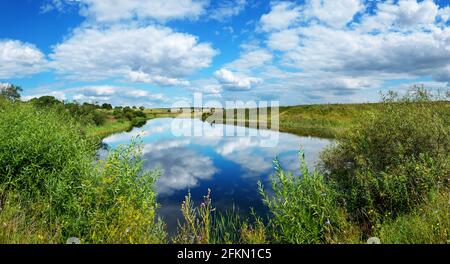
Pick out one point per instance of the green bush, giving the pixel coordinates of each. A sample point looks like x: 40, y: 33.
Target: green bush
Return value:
x: 51, y: 184
x: 119, y: 201
x: 389, y: 164
x: 203, y: 225
x: 304, y: 209
x: 427, y: 224
x: 42, y: 153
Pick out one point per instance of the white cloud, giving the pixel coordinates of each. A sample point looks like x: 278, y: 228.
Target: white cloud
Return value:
x: 139, y: 76
x: 160, y: 10
x: 333, y: 13
x: 228, y: 9
x: 231, y: 81
x: 328, y: 58
x: 281, y: 16
x: 250, y: 59
x: 153, y: 54
x: 284, y: 40
x: 18, y: 59
x: 404, y: 15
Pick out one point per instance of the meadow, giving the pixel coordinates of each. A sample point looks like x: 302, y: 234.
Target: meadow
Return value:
x: 387, y: 176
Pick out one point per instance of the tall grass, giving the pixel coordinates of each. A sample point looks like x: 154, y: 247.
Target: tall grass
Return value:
x: 390, y: 164
x: 304, y: 209
x: 52, y: 186
x: 203, y: 225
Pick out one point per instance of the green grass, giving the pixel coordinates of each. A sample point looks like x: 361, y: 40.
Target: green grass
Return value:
x: 386, y: 176
x: 110, y: 127
x: 52, y: 187
x: 321, y: 120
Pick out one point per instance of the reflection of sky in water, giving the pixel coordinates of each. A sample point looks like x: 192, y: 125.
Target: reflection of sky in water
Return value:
x: 230, y: 166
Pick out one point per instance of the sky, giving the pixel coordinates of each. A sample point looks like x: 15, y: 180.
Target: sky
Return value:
x: 154, y: 53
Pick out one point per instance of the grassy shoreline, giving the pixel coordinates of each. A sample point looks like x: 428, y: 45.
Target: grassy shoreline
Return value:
x: 323, y: 120
x: 328, y: 121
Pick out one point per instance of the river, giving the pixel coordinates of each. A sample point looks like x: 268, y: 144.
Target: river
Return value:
x: 194, y: 155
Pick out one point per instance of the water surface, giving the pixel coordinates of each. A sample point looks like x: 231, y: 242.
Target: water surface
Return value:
x: 230, y: 166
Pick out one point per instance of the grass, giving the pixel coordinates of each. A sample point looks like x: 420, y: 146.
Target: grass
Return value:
x: 322, y: 120
x: 386, y: 176
x: 52, y: 188
x: 111, y: 126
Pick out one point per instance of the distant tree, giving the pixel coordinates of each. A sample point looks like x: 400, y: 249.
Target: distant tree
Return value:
x: 107, y: 106
x: 142, y: 108
x: 45, y: 101
x: 10, y: 92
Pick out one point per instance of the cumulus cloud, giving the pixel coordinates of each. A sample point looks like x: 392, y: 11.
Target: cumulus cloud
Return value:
x: 284, y: 40
x: 231, y: 81
x: 332, y: 53
x: 251, y: 58
x: 139, y: 76
x: 18, y: 59
x: 281, y: 16
x: 404, y: 15
x: 333, y: 13
x: 119, y: 10
x: 150, y: 54
x: 227, y: 9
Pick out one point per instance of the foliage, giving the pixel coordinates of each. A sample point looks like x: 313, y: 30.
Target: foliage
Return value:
x: 197, y: 226
x: 427, y: 224
x: 389, y: 164
x: 203, y: 225
x: 51, y: 185
x: 10, y: 92
x: 304, y: 208
x: 119, y: 201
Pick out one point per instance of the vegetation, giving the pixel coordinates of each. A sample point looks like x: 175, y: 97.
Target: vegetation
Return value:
x: 304, y: 209
x: 388, y: 176
x: 52, y: 189
x: 10, y: 92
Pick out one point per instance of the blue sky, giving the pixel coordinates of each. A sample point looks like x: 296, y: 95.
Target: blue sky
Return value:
x: 157, y: 52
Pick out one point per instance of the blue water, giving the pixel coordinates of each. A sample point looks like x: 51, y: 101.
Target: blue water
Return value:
x: 230, y: 166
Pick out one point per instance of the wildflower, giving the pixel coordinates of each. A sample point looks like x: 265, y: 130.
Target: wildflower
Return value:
x: 373, y: 240
x: 328, y: 222
x: 73, y: 240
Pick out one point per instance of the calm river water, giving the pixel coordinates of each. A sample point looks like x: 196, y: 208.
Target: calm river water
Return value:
x: 195, y: 155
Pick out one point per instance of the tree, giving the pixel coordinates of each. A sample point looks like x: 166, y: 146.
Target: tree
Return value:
x: 11, y: 92
x: 107, y: 106
x: 45, y: 101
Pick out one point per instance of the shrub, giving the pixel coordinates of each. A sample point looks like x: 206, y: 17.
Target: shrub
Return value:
x: 304, y: 209
x: 427, y: 224
x: 203, y: 225
x: 390, y: 163
x: 52, y: 186
x: 42, y: 153
x: 119, y: 201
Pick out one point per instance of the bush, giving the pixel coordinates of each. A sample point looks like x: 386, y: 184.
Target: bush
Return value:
x: 203, y: 225
x: 389, y: 164
x: 119, y: 201
x: 428, y: 224
x: 52, y: 186
x: 42, y: 153
x: 304, y: 209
